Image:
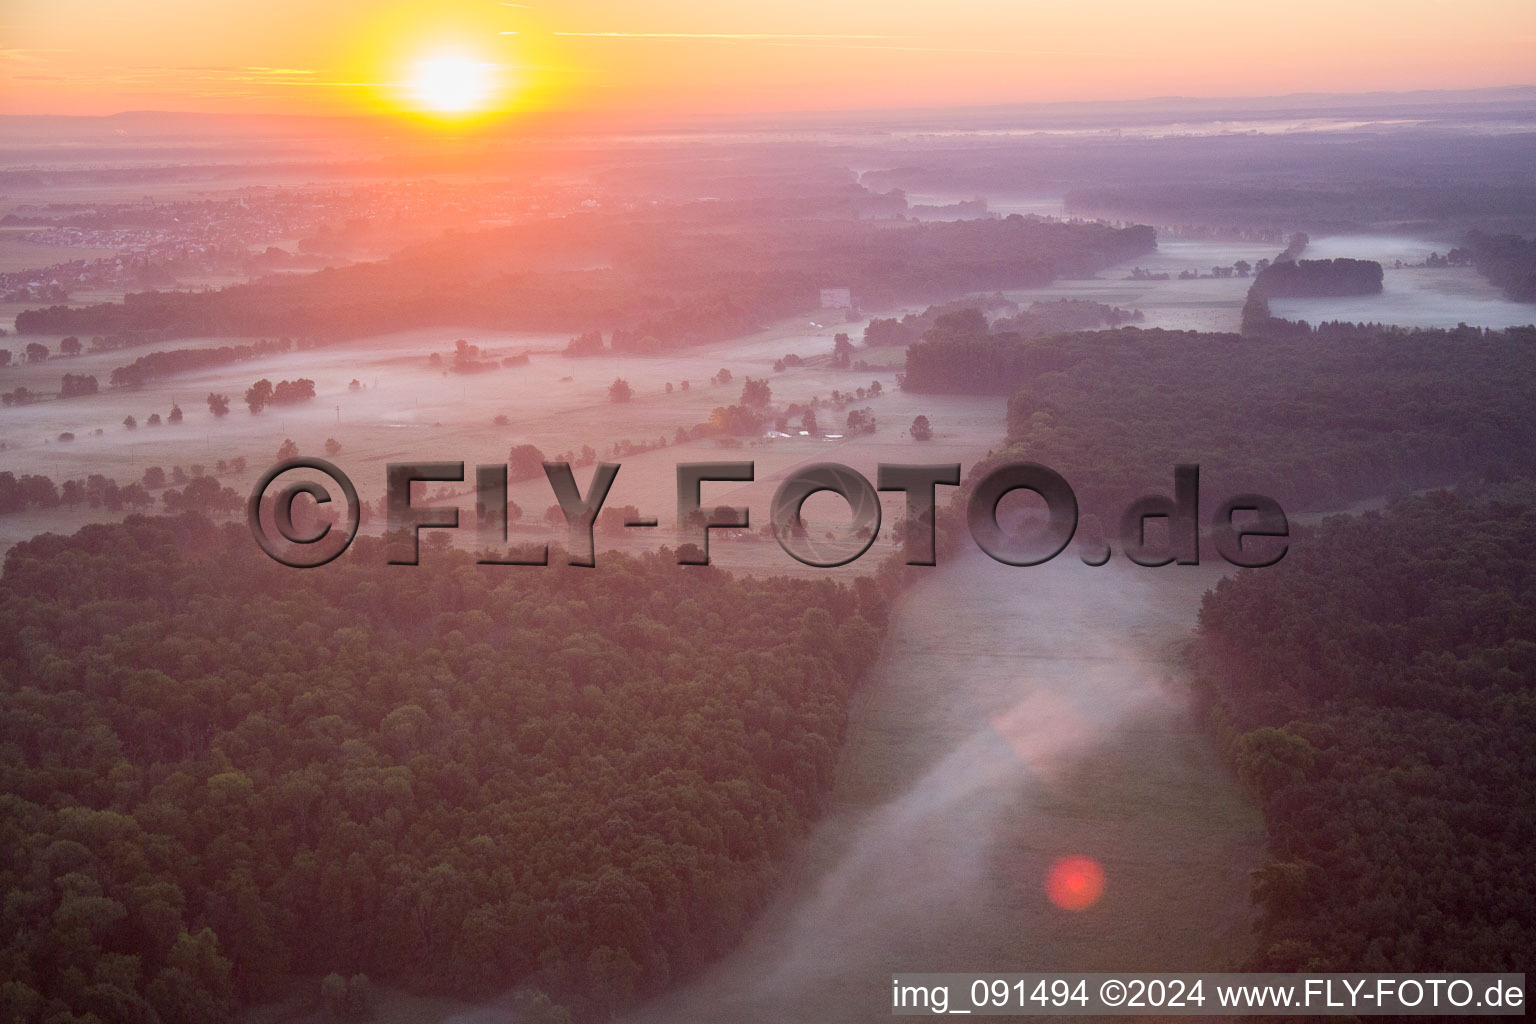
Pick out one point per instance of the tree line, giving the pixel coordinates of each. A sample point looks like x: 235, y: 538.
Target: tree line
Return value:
x: 1507, y: 261
x: 668, y: 284
x: 1045, y: 316
x: 157, y: 365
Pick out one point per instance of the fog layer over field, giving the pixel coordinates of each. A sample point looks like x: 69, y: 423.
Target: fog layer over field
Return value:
x: 1411, y: 296
x: 1019, y: 715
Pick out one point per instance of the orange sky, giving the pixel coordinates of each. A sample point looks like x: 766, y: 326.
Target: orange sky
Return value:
x: 672, y: 57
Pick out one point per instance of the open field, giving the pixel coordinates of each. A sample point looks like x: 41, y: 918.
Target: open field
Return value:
x: 407, y: 410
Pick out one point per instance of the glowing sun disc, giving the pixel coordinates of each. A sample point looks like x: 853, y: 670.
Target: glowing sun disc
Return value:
x: 452, y: 84
x: 1075, y: 883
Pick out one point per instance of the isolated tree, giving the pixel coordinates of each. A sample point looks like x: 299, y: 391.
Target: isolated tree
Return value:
x: 218, y: 404
x: 154, y: 477
x: 130, y: 423
x: 756, y: 393
x: 332, y: 447
x: 842, y: 351
x: 288, y: 450
x: 501, y: 420
x: 921, y: 429
x: 620, y: 391
x: 669, y: 387
x: 524, y: 462
x: 1243, y: 268
x: 808, y: 421
x: 37, y: 352
x: 153, y: 421
x: 70, y: 346
x: 175, y: 415
x: 684, y: 385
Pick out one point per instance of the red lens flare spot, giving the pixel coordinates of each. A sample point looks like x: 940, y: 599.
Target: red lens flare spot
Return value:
x: 1075, y: 883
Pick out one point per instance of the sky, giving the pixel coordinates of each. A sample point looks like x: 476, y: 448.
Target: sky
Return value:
x: 461, y: 59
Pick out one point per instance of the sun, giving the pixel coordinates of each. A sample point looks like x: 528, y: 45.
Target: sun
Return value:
x: 452, y: 84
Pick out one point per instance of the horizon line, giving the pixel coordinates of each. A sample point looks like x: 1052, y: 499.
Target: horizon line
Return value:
x: 812, y: 112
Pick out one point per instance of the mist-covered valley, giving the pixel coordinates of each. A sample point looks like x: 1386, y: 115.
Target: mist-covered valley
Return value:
x: 751, y: 792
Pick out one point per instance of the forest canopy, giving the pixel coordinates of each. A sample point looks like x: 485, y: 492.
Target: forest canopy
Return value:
x: 1376, y: 691
x: 217, y: 771
x: 1311, y: 420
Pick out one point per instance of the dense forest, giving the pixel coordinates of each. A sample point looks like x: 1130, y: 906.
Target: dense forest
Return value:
x: 1507, y: 261
x: 697, y: 276
x: 1289, y: 278
x: 218, y: 772
x: 1376, y: 691
x: 1344, y: 207
x: 1309, y: 420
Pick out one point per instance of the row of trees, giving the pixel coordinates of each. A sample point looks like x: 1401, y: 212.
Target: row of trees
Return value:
x: 37, y: 352
x: 217, y: 770
x: 33, y: 491
x: 263, y: 393
x: 157, y: 365
x: 174, y: 416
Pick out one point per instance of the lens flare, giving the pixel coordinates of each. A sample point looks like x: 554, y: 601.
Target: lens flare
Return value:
x: 1075, y: 883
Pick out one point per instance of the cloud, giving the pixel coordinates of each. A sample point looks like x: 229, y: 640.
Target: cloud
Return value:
x: 23, y: 56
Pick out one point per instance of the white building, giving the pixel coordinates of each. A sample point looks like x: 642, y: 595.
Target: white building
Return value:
x: 836, y: 298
